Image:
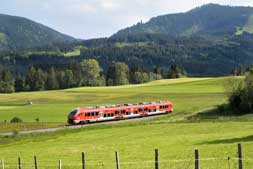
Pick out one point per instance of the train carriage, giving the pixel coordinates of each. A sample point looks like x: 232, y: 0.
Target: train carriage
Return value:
x: 118, y: 112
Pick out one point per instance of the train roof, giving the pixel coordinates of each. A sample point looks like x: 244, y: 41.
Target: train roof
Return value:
x: 127, y: 105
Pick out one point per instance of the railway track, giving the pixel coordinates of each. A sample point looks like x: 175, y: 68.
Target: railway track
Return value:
x: 78, y: 126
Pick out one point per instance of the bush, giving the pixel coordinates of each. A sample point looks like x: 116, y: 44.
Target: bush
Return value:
x: 221, y: 108
x: 37, y: 120
x: 240, y: 94
x: 16, y: 120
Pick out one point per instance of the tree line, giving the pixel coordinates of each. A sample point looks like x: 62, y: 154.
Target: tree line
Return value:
x: 86, y: 73
x: 199, y: 56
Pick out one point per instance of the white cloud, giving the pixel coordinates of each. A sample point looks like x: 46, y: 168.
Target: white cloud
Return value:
x: 99, y: 18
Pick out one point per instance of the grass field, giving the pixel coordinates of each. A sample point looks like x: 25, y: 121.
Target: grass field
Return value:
x: 135, y: 141
x: 75, y: 52
x: 188, y: 95
x: 136, y: 144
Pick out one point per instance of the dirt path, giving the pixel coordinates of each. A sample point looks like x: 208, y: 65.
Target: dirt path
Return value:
x: 76, y: 126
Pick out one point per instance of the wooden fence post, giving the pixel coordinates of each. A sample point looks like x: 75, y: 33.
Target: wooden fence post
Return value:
x: 59, y: 164
x: 196, y: 158
x: 19, y: 163
x: 2, y: 162
x: 156, y: 159
x: 228, y: 162
x: 83, y: 160
x: 35, y: 163
x: 239, y: 156
x: 117, y: 160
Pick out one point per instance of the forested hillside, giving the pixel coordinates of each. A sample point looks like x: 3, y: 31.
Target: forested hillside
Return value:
x: 199, y: 56
x: 223, y: 46
x: 211, y: 19
x: 20, y: 33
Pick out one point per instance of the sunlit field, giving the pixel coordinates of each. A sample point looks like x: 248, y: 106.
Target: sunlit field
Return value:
x: 173, y: 135
x: 187, y: 94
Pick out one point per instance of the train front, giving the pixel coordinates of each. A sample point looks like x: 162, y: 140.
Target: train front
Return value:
x: 73, y: 117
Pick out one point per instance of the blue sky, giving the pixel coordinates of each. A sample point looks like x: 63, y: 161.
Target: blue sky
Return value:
x: 99, y: 18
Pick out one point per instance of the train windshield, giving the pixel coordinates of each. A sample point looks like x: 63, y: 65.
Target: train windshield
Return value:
x: 73, y: 113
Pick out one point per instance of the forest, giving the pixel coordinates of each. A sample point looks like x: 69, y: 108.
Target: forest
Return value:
x: 123, y: 60
x: 84, y: 73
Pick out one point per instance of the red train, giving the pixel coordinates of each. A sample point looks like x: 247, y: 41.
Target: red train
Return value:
x: 118, y: 112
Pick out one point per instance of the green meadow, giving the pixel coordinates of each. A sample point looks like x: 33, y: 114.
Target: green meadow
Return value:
x: 187, y: 94
x: 135, y: 143
x: 174, y: 135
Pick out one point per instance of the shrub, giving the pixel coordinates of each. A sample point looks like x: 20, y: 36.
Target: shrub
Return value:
x: 16, y: 120
x: 240, y: 94
x: 37, y: 120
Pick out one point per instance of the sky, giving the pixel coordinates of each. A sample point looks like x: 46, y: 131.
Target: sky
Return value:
x: 87, y: 19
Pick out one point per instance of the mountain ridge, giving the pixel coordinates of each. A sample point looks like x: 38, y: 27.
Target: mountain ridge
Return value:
x: 209, y: 19
x: 22, y: 33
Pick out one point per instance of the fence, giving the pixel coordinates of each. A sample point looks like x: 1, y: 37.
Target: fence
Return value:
x: 194, y: 163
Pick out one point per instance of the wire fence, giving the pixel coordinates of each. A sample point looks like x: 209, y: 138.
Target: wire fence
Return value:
x: 194, y: 161
x: 172, y: 164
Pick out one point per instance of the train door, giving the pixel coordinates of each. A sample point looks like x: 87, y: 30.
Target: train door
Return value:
x: 101, y: 114
x: 132, y: 111
x: 158, y: 108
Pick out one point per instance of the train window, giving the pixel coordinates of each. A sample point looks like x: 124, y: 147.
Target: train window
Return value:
x: 73, y: 113
x: 149, y: 110
x: 162, y: 107
x: 112, y: 114
x: 97, y: 113
x: 146, y: 109
x: 116, y: 112
x: 123, y: 111
x: 104, y: 115
x: 135, y: 112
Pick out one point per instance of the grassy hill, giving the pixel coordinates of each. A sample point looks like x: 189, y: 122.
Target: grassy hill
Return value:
x: 188, y: 95
x: 210, y: 19
x: 135, y: 141
x: 20, y: 33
